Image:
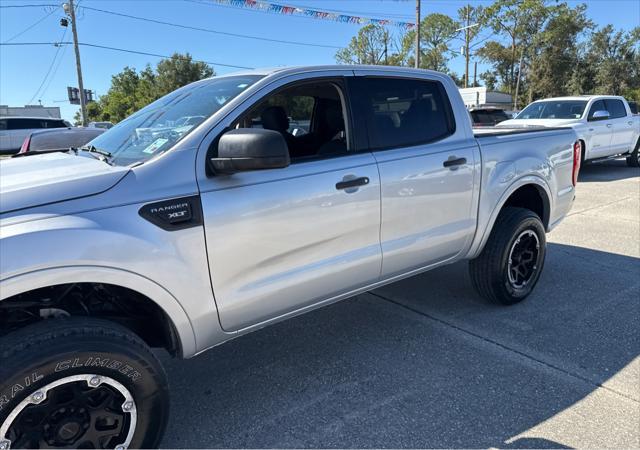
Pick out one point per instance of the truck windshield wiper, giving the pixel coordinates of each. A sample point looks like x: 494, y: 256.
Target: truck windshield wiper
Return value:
x: 104, y: 155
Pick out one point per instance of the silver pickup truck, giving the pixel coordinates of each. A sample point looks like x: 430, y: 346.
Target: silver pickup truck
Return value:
x: 184, y: 234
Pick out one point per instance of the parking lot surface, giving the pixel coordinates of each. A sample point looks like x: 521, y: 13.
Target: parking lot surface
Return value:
x: 426, y: 363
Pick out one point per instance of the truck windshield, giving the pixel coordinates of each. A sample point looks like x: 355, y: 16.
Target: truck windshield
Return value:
x: 554, y: 109
x: 157, y: 127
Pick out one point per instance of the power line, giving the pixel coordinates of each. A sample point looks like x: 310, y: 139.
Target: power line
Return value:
x: 53, y: 61
x: 208, y: 30
x: 55, y: 70
x: 31, y: 26
x: 30, y: 6
x: 124, y: 50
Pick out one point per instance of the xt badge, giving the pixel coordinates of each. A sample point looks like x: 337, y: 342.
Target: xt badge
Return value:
x: 175, y: 214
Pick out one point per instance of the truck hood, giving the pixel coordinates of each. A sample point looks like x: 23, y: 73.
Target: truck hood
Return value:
x: 536, y: 123
x: 37, y: 180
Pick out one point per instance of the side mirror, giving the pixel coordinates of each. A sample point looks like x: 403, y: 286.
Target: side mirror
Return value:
x: 600, y: 115
x: 250, y: 149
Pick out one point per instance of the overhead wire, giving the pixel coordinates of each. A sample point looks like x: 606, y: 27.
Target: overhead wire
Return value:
x: 53, y: 61
x: 124, y: 50
x: 209, y: 30
x: 31, y: 26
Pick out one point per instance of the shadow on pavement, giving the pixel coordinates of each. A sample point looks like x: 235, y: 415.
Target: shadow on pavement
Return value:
x: 608, y: 170
x: 425, y: 363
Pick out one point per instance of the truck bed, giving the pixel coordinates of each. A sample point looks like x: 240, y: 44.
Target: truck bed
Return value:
x: 485, y: 132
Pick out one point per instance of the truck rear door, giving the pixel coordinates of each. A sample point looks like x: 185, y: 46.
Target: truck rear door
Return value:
x: 427, y: 168
x: 623, y: 131
x: 601, y: 131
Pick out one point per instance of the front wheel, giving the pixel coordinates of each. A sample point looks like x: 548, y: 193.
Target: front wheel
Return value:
x: 80, y: 383
x: 511, y: 262
x: 633, y: 160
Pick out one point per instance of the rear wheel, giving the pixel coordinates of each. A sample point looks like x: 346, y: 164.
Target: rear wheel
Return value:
x: 509, y: 266
x: 80, y: 383
x: 633, y: 160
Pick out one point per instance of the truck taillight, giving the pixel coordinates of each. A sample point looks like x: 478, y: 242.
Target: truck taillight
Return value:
x: 577, y: 152
x: 25, y: 145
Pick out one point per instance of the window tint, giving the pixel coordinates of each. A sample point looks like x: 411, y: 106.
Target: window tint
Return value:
x: 554, y: 109
x: 616, y: 108
x: 54, y: 124
x: 488, y: 117
x: 310, y: 117
x: 404, y: 112
x: 3, y: 125
x: 597, y: 106
x: 24, y: 124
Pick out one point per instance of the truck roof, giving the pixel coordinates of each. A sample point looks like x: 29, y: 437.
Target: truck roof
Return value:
x: 316, y: 68
x: 581, y: 97
x: 31, y: 117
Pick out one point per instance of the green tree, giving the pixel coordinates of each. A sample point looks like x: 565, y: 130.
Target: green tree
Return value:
x: 518, y: 21
x: 178, y: 71
x: 372, y: 45
x: 615, y: 59
x: 436, y: 32
x: 556, y: 52
x: 131, y: 90
x: 472, y: 19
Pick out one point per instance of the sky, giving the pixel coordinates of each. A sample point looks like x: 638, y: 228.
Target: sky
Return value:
x: 29, y: 74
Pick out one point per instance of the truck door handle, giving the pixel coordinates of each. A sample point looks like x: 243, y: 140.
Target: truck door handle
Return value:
x: 355, y: 182
x: 454, y: 162
x: 609, y: 125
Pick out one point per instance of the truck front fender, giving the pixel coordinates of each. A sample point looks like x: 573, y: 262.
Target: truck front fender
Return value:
x: 36, y: 279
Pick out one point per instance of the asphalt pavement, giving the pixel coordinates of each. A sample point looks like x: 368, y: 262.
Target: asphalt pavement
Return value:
x: 426, y: 363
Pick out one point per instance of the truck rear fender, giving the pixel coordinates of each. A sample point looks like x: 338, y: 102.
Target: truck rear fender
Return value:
x: 513, y: 192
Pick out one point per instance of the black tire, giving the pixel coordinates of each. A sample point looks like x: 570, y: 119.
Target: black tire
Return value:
x: 633, y: 160
x: 56, y: 350
x: 490, y: 271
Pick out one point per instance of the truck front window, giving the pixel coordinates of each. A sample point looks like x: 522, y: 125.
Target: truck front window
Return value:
x: 157, y: 127
x: 554, y: 109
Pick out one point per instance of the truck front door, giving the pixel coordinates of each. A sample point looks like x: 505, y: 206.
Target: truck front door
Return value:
x: 281, y: 240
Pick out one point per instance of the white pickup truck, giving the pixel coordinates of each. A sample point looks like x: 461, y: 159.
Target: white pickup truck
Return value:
x: 194, y: 234
x: 604, y: 123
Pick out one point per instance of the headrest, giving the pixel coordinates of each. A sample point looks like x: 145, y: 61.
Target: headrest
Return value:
x: 275, y: 118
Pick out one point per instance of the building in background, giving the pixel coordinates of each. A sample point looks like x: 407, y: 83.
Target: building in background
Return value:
x: 480, y: 96
x: 30, y: 111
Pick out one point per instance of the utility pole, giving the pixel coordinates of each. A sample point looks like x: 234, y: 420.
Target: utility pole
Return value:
x: 83, y: 100
x: 417, y: 34
x: 467, y: 35
x: 515, y: 99
x: 475, y: 73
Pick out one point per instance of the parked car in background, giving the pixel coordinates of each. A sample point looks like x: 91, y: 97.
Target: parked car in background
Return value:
x: 605, y: 124
x: 13, y: 130
x: 58, y: 139
x: 121, y: 246
x: 487, y: 116
x: 103, y: 125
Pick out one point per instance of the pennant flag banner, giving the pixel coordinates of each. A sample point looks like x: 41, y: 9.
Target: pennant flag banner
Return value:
x: 313, y: 13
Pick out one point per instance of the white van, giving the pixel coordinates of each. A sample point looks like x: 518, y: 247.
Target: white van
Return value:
x: 14, y: 130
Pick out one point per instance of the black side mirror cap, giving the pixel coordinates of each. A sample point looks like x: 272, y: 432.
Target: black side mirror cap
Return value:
x: 247, y: 149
